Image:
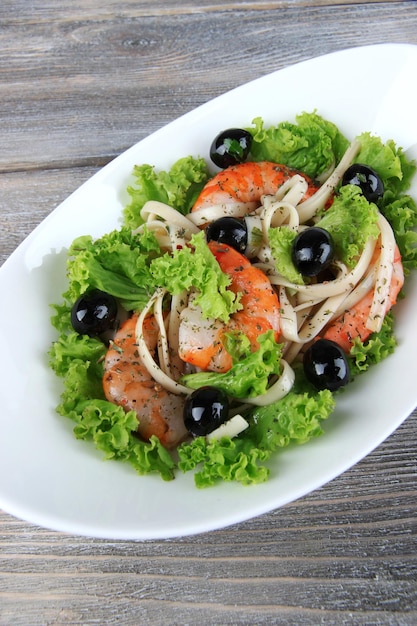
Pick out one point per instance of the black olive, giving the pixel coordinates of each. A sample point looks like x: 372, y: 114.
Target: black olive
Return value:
x: 325, y: 365
x: 230, y: 147
x: 205, y: 409
x: 230, y: 231
x: 94, y: 313
x: 312, y: 251
x: 367, y: 179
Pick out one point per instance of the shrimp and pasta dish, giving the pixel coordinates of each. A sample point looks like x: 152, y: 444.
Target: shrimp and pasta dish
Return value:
x: 220, y: 321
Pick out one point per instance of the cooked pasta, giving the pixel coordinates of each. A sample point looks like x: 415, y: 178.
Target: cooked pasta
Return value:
x: 307, y: 309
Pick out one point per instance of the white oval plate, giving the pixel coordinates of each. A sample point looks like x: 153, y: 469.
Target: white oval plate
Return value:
x: 49, y: 478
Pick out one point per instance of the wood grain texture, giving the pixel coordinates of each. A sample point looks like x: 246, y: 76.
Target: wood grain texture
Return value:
x: 79, y: 83
x: 345, y: 554
x: 85, y: 86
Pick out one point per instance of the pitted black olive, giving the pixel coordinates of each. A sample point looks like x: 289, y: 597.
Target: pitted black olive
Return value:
x: 231, y: 231
x: 230, y: 147
x: 94, y: 313
x: 367, y: 179
x: 205, y: 409
x: 312, y: 251
x: 325, y: 365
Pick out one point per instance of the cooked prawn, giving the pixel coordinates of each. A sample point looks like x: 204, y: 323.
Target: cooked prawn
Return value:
x: 247, y: 183
x: 353, y: 322
x: 127, y: 382
x: 201, y: 342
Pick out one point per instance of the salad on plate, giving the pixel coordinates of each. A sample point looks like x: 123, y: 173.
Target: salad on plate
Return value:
x: 219, y: 323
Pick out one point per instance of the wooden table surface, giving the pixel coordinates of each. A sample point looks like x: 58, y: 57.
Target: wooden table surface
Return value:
x: 79, y: 83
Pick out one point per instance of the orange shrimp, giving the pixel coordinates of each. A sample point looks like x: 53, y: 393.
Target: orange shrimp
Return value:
x: 352, y: 323
x: 127, y: 382
x: 201, y: 341
x: 248, y: 182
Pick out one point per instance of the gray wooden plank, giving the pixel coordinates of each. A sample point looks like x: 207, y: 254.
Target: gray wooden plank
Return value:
x: 79, y: 84
x: 82, y: 89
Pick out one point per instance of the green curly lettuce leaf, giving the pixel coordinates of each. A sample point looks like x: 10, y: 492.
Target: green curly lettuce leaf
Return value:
x: 351, y: 220
x: 295, y: 419
x: 109, y: 427
x: 130, y: 266
x: 402, y: 215
x: 227, y: 460
x: 311, y: 145
x: 281, y: 241
x: 178, y: 188
x: 117, y: 263
x: 196, y: 267
x: 388, y: 160
x: 70, y: 347
x: 376, y: 348
x: 249, y: 374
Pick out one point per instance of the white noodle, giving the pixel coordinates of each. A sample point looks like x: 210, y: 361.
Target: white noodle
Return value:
x: 312, y: 327
x: 233, y: 209
x: 163, y: 352
x: 326, y: 174
x: 178, y: 303
x: 146, y: 357
x: 309, y: 207
x: 280, y: 208
x: 362, y: 289
x: 305, y: 303
x: 333, y: 287
x: 171, y: 216
x: 178, y: 240
x: 383, y: 277
x: 306, y: 309
x: 277, y: 390
x: 293, y: 190
x: 159, y: 230
x: 265, y: 256
x: 254, y: 228
x: 289, y: 319
x: 277, y: 214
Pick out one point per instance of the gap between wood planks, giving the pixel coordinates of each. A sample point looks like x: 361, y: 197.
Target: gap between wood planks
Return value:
x: 149, y: 8
x: 57, y: 164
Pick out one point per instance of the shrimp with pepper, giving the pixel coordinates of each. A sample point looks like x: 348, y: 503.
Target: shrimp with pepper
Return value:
x: 246, y: 183
x: 202, y: 341
x: 127, y: 382
x: 353, y: 321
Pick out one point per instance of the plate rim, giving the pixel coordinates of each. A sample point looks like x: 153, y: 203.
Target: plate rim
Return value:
x: 101, y: 175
